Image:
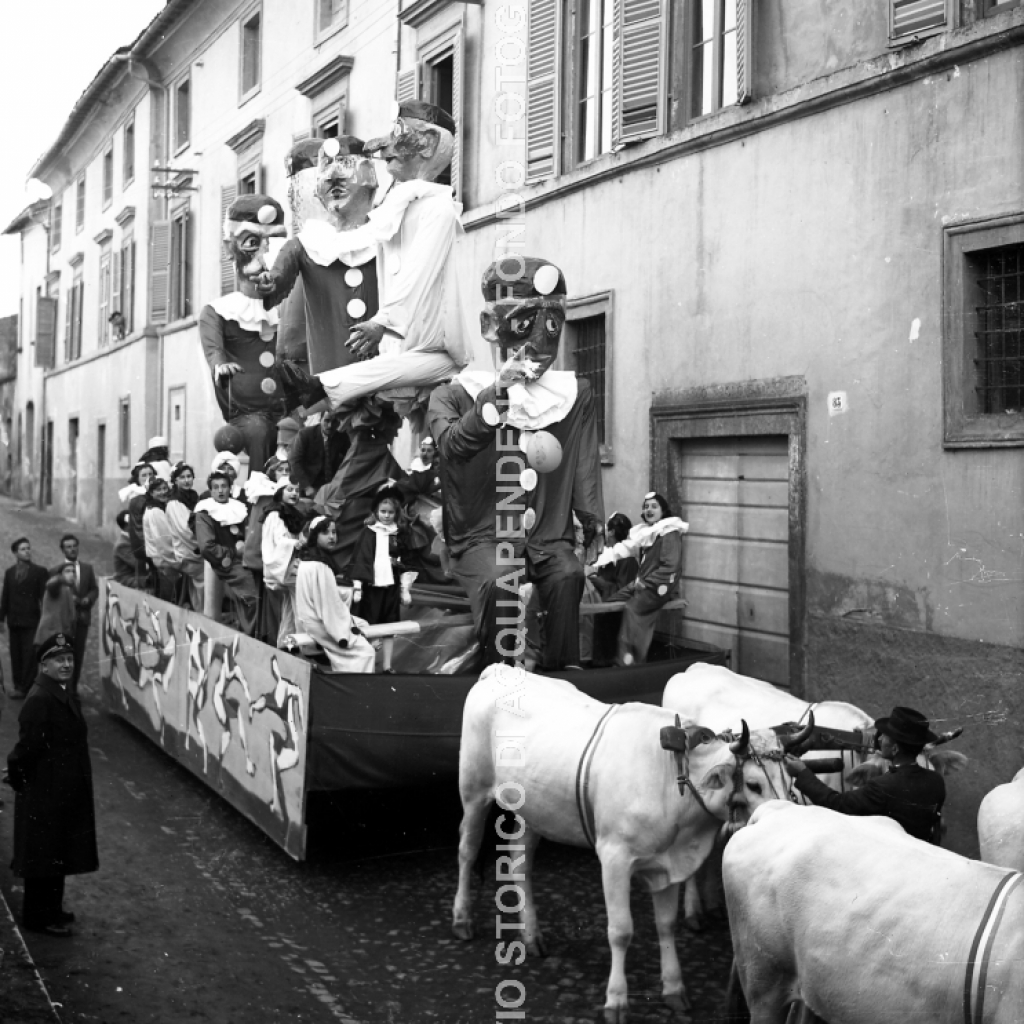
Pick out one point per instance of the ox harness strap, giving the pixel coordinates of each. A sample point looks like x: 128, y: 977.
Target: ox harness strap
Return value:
x: 583, y: 804
x: 981, y: 949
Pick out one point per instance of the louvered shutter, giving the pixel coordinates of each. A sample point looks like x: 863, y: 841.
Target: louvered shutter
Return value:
x: 69, y: 304
x: 227, y: 266
x: 458, y: 63
x: 159, y: 271
x: 408, y: 84
x: 744, y: 51
x: 128, y: 287
x: 542, y: 90
x: 913, y: 18
x: 638, y: 70
x: 115, y: 291
x: 46, y: 331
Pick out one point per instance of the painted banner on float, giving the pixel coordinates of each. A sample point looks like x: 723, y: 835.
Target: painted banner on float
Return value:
x: 232, y: 710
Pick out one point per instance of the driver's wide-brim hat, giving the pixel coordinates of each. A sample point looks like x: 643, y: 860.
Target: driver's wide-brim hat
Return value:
x: 905, y: 725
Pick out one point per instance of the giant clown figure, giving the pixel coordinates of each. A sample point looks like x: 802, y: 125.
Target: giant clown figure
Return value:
x: 239, y: 334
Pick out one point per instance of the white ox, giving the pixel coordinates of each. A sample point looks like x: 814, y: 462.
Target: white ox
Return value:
x: 862, y: 923
x: 718, y: 698
x: 1001, y: 824
x: 585, y: 773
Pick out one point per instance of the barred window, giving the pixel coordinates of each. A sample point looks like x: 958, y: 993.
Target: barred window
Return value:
x: 590, y: 361
x: 999, y: 355
x: 983, y: 333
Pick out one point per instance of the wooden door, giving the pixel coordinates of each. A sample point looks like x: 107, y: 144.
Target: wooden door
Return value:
x: 734, y: 492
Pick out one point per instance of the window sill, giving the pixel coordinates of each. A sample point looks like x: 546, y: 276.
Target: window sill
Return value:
x: 246, y: 96
x: 980, y: 435
x: 329, y: 33
x: 175, y: 326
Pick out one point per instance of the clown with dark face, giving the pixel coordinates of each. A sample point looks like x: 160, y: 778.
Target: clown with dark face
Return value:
x: 478, y: 421
x: 239, y: 332
x: 413, y: 339
x: 333, y: 189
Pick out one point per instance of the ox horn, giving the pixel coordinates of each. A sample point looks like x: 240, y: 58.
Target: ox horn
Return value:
x: 740, y: 745
x: 795, y: 741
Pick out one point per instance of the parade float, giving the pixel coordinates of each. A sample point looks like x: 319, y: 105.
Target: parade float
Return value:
x: 519, y: 472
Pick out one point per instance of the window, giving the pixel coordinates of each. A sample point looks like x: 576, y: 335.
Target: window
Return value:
x: 983, y: 344
x: 56, y: 226
x: 129, y: 152
x: 249, y: 182
x: 108, y: 176
x: 912, y: 19
x: 124, y: 431
x: 181, y: 266
x: 713, y: 68
x: 182, y: 114
x: 80, y: 204
x: 587, y: 345
x: 250, y: 55
x: 437, y: 77
x: 331, y: 14
x: 124, y: 286
x: 990, y: 8
x: 592, y: 88
x: 329, y: 118
x: 106, y: 291
x: 74, y: 316
x: 327, y: 89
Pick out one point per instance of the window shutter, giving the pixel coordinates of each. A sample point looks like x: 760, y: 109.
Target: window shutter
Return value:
x: 542, y: 90
x: 159, y: 271
x: 408, y: 84
x: 458, y: 77
x: 46, y: 331
x: 227, y: 266
x: 638, y: 70
x: 744, y: 51
x: 128, y: 287
x: 115, y: 297
x: 69, y: 302
x: 909, y: 19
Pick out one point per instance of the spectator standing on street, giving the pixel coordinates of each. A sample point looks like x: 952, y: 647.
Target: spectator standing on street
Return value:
x: 50, y: 772
x: 20, y: 608
x: 86, y: 593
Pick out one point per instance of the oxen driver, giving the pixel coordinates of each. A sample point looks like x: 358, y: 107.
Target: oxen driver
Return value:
x: 863, y: 923
x: 649, y: 793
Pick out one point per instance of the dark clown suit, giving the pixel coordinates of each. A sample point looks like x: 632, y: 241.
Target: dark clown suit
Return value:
x: 238, y: 329
x: 483, y: 508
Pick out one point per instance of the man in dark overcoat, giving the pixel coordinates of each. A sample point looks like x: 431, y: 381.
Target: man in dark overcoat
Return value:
x: 49, y: 769
x: 20, y: 604
x: 909, y: 794
x: 86, y: 592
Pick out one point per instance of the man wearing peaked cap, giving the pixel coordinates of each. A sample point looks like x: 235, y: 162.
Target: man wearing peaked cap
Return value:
x: 50, y: 771
x: 239, y: 333
x: 414, y: 339
x: 339, y: 287
x: 478, y: 421
x: 909, y: 794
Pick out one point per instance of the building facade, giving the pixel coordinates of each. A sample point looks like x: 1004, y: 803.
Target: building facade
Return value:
x: 794, y: 241
x: 203, y: 106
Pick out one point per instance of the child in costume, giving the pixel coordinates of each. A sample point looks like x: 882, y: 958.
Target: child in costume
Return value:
x: 377, y: 560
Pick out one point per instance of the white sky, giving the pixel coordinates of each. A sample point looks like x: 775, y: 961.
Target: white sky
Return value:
x: 53, y: 50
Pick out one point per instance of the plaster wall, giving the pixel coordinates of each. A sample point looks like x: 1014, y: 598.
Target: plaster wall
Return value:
x: 814, y: 249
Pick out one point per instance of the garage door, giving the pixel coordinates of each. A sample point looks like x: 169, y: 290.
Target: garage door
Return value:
x: 734, y: 492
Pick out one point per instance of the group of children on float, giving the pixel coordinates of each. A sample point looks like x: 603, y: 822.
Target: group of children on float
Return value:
x: 274, y: 555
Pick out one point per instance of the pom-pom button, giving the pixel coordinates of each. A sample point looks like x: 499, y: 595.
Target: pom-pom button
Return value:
x: 355, y: 308
x: 267, y: 214
x: 267, y: 359
x: 268, y: 385
x: 528, y: 479
x: 331, y: 148
x: 545, y: 281
x: 490, y: 414
x: 353, y: 277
